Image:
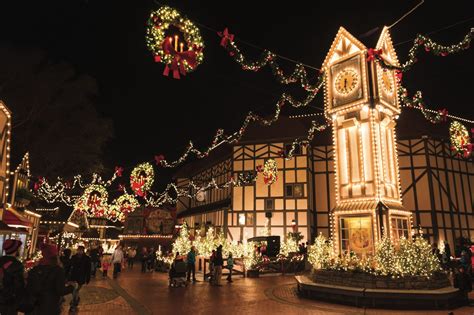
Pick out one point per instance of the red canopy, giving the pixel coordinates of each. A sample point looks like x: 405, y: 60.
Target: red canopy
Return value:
x: 15, y: 220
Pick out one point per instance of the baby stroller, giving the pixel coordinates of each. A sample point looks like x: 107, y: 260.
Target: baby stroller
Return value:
x: 178, y: 274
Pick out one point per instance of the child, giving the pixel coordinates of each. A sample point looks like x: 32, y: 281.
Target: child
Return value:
x: 230, y: 265
x: 105, y: 265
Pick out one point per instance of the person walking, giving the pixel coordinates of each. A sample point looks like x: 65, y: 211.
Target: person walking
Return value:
x: 12, y: 282
x: 144, y: 258
x: 66, y: 261
x: 117, y: 260
x: 191, y: 263
x: 47, y: 283
x: 230, y: 266
x: 105, y: 265
x: 80, y: 273
x: 218, y: 262
x: 211, y: 267
x: 95, y: 260
x: 132, y: 252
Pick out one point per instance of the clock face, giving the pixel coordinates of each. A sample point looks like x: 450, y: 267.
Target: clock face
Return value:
x: 201, y: 196
x: 387, y: 82
x: 346, y: 81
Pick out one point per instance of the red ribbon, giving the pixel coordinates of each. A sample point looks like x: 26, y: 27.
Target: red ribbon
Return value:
x: 119, y: 171
x: 177, y: 65
x: 226, y: 37
x: 373, y: 53
x: 444, y: 114
x: 159, y: 158
x: 398, y: 75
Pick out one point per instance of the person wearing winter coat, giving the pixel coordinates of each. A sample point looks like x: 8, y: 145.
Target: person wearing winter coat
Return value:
x: 218, y: 263
x: 80, y: 273
x: 230, y: 266
x: 463, y: 282
x: 13, y: 282
x: 47, y: 283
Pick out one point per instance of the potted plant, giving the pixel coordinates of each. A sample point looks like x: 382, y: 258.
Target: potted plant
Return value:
x: 24, y: 196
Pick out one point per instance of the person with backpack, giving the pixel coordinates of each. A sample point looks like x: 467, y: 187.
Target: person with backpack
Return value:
x: 80, y: 273
x: 12, y: 282
x: 47, y: 283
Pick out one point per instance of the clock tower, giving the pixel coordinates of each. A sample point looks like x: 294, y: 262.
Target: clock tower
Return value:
x: 361, y: 99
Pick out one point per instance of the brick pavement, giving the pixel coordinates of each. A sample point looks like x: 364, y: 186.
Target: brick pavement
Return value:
x: 137, y: 293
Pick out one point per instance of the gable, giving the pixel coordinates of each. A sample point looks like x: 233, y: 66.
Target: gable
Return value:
x: 344, y: 44
x: 388, y: 51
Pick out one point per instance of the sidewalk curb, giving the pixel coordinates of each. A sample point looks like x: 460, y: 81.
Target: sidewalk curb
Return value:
x: 137, y: 307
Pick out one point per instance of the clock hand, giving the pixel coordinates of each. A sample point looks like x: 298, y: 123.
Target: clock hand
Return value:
x: 345, y: 83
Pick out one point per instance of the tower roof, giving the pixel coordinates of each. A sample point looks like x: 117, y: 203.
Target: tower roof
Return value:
x: 344, y: 44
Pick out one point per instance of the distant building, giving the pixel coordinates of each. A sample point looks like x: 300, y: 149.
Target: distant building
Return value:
x: 437, y: 187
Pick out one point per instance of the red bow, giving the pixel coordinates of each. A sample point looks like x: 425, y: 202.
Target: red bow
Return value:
x: 39, y: 183
x: 137, y: 188
x: 444, y: 114
x: 259, y: 168
x: 398, y: 75
x: 372, y: 53
x: 119, y: 171
x: 467, y: 150
x: 159, y: 158
x: 177, y: 65
x: 226, y: 37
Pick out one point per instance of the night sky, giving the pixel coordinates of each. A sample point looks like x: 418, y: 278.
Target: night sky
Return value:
x: 153, y: 114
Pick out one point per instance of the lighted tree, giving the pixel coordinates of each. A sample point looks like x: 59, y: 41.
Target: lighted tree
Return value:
x: 414, y: 258
x: 182, y: 244
x: 321, y: 253
x: 289, y: 245
x: 385, y: 256
x: 205, y: 245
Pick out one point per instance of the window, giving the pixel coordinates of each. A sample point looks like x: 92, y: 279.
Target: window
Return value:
x: 399, y: 227
x: 245, y: 218
x: 356, y: 235
x: 296, y: 151
x: 245, y: 177
x: 289, y: 190
x: 298, y: 190
x: 294, y: 190
x: 269, y: 204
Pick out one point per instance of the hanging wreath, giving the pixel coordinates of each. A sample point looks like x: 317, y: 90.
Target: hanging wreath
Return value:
x: 93, y: 201
x: 114, y: 213
x: 181, y: 52
x: 142, y: 178
x: 269, y: 171
x: 460, y: 140
x: 126, y: 203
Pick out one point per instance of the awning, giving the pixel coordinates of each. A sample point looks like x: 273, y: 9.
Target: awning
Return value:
x: 14, y: 219
x: 205, y: 208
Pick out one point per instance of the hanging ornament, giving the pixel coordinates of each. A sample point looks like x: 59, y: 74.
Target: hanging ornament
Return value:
x: 460, y: 140
x: 126, y: 203
x: 142, y: 178
x: 181, y: 53
x: 93, y: 201
x: 269, y: 171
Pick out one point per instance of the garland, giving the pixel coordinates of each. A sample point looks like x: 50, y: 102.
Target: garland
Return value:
x: 142, y: 178
x: 182, y: 61
x: 417, y: 102
x: 93, y: 201
x: 429, y: 46
x: 460, y: 140
x: 268, y: 58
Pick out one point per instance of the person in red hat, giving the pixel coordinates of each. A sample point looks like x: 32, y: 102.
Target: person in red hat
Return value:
x: 12, y: 282
x: 47, y: 283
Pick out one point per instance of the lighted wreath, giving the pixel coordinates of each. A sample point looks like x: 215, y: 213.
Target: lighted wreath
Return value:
x: 115, y: 214
x: 142, y: 178
x: 93, y: 201
x: 181, y: 51
x: 460, y: 140
x: 269, y: 171
x: 126, y: 203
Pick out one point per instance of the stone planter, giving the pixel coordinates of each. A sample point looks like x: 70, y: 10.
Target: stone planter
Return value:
x: 253, y: 273
x: 369, y: 281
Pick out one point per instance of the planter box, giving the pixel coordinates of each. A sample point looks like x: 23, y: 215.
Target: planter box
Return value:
x: 369, y: 281
x: 253, y: 273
